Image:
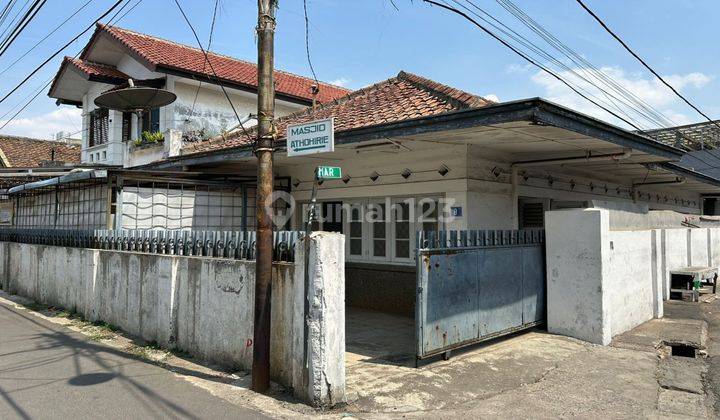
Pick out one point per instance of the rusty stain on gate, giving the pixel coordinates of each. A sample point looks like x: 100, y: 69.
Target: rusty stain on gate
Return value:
x: 477, y: 285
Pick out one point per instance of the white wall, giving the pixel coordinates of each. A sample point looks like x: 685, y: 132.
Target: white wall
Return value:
x: 603, y: 282
x: 201, y: 305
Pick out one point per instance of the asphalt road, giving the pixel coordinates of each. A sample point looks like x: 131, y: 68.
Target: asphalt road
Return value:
x: 47, y: 371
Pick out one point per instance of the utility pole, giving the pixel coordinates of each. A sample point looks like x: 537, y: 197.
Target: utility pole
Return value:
x: 264, y: 153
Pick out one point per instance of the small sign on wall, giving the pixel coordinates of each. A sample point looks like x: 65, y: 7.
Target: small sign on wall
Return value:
x: 456, y: 211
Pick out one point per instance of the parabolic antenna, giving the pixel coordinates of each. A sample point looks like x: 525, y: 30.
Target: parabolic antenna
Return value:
x: 134, y: 98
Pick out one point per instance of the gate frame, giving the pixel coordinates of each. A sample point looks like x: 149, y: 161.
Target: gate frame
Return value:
x: 462, y: 241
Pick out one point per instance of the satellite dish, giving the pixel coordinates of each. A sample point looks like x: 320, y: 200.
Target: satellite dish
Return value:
x: 133, y: 99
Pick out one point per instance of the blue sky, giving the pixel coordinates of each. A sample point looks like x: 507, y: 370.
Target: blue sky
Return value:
x: 359, y: 42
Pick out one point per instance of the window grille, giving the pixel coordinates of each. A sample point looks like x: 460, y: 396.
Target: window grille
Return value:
x: 98, y: 133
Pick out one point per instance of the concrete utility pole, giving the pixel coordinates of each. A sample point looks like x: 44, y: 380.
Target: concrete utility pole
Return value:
x: 264, y: 153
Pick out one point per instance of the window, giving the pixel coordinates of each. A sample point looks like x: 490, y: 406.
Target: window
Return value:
x: 104, y: 155
x: 429, y: 214
x: 385, y: 231
x: 376, y: 217
x: 92, y: 157
x: 98, y: 133
x: 531, y: 213
x: 151, y: 120
x: 355, y: 231
x: 331, y: 216
x: 126, y: 126
x: 401, y: 221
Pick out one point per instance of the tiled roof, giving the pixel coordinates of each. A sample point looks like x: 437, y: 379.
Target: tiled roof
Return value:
x: 23, y: 152
x: 403, y: 97
x: 95, y: 69
x: 171, y: 55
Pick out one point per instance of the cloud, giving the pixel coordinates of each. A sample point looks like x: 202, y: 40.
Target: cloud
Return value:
x: 45, y: 126
x: 651, y: 90
x: 342, y: 81
x: 518, y: 68
x: 491, y: 97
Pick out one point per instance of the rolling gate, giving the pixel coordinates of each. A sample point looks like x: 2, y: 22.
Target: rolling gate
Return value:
x: 477, y: 285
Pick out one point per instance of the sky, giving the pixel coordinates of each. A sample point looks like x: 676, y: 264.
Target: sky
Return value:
x: 355, y: 43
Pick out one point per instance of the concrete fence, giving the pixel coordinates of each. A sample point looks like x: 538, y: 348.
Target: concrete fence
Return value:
x: 200, y: 305
x: 603, y: 282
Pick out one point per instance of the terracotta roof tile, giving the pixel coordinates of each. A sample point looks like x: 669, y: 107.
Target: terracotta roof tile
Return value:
x: 23, y: 152
x: 162, y: 53
x: 400, y: 98
x: 96, y: 69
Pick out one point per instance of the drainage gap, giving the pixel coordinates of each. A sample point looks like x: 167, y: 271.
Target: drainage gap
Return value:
x: 682, y: 350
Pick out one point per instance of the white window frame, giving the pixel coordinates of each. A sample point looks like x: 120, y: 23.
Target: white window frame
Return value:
x: 390, y: 230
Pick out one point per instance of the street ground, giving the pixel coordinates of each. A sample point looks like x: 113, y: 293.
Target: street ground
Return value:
x: 46, y: 369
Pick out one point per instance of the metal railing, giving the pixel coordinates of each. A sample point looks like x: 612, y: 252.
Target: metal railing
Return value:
x: 478, y: 238
x: 213, y: 244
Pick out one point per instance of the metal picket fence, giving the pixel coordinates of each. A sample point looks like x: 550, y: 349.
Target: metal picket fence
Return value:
x: 213, y: 244
x: 478, y: 238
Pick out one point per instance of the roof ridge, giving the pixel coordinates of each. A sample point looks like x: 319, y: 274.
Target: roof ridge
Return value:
x: 109, y: 29
x: 460, y: 97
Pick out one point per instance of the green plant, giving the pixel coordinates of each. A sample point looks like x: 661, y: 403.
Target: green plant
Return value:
x: 153, y: 136
x: 138, y: 142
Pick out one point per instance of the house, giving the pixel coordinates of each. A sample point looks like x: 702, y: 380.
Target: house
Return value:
x: 454, y: 161
x: 416, y: 155
x: 113, y: 55
x: 24, y: 152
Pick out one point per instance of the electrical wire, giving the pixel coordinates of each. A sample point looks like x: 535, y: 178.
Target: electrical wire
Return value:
x: 55, y: 54
x: 207, y: 59
x: 645, y: 64
x: 24, y: 22
x: 45, y: 37
x: 46, y: 84
x: 307, y: 41
x: 530, y: 60
x: 628, y: 97
x: 212, y: 30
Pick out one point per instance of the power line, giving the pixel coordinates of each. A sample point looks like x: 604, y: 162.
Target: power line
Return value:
x: 46, y: 37
x: 307, y: 41
x: 207, y: 59
x: 647, y: 66
x: 24, y: 22
x: 212, y: 30
x: 46, y: 84
x: 538, y: 51
x: 55, y: 54
x: 636, y: 103
x: 530, y: 60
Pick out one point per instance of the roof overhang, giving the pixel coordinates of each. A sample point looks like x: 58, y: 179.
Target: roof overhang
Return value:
x: 70, y: 83
x: 589, y: 133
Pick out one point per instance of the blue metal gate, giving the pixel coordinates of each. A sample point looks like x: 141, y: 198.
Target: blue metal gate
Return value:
x: 477, y: 285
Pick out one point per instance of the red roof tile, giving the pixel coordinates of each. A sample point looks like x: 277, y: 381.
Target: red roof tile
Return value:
x: 23, y: 152
x: 171, y: 55
x: 400, y: 98
x: 95, y: 69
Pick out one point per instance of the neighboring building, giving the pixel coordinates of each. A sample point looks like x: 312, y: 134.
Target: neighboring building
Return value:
x: 23, y: 152
x: 114, y: 55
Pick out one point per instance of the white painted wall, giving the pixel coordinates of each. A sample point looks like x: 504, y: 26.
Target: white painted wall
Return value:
x: 201, y: 305
x: 603, y: 282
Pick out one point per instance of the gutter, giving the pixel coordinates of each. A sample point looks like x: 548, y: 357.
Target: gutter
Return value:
x: 580, y: 159
x: 65, y: 179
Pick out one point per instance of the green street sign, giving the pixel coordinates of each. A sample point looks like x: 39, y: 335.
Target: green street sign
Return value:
x: 329, y: 172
